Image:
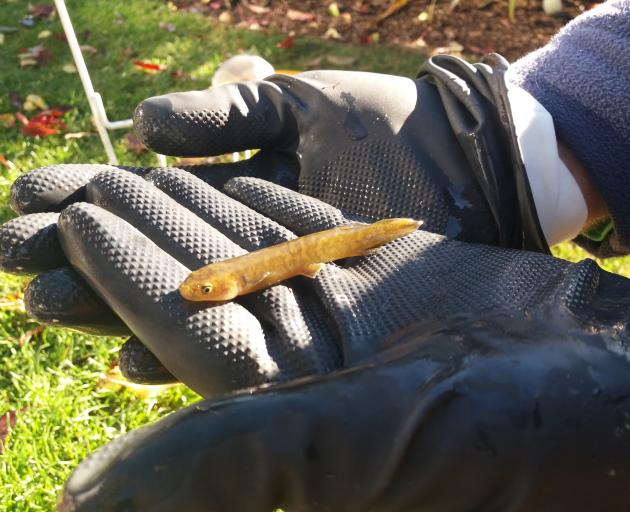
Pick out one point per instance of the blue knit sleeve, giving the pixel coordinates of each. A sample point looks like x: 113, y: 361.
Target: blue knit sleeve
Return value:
x: 582, y: 77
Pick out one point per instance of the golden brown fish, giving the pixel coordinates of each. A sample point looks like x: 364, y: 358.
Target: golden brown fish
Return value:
x: 260, y: 269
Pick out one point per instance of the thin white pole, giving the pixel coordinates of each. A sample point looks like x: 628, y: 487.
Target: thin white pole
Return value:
x: 93, y: 97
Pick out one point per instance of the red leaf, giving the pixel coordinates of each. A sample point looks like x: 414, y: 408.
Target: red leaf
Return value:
x: 148, y: 66
x: 43, y: 124
x: 7, y: 421
x: 286, y: 43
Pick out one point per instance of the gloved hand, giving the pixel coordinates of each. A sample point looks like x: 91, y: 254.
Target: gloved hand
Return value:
x: 139, y: 244
x: 480, y: 378
x: 375, y: 145
x: 441, y: 148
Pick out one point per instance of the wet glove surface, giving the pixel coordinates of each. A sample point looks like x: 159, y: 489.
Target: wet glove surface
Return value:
x: 517, y: 413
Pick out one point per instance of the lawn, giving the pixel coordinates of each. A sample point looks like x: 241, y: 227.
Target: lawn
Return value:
x: 54, y: 384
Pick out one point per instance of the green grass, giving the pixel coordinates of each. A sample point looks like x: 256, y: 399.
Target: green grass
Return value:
x: 53, y: 377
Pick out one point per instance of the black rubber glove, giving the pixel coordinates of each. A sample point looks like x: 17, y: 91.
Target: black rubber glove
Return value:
x: 139, y: 244
x: 483, y: 379
x: 440, y: 148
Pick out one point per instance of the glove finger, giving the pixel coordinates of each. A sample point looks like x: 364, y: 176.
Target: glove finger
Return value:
x: 300, y: 213
x: 231, y: 117
x: 54, y: 187
x: 138, y: 364
x: 29, y: 244
x: 470, y: 418
x: 299, y: 342
x: 266, y: 164
x: 62, y: 297
x: 236, y: 221
x: 214, y: 349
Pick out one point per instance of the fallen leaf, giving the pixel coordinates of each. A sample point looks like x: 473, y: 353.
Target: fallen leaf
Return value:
x: 33, y: 102
x: 41, y: 11
x: 149, y: 67
x: 133, y: 144
x: 69, y: 68
x: 34, y: 56
x: 1, y: 38
x: 179, y: 74
x: 26, y: 336
x: 43, y: 124
x: 77, y: 135
x: 286, y: 43
x: 169, y: 27
x: 392, y: 9
x: 332, y: 33
x: 338, y: 60
x: 44, y: 34
x: 296, y: 15
x: 226, y: 17
x: 88, y: 48
x: 13, y: 301
x: 257, y: 9
x: 11, y: 166
x: 333, y: 9
x: 7, y: 120
x: 346, y: 18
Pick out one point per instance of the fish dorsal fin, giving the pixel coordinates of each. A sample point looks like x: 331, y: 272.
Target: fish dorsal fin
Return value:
x: 351, y: 226
x: 311, y: 270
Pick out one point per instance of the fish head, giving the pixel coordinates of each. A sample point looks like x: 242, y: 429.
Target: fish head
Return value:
x: 209, y: 287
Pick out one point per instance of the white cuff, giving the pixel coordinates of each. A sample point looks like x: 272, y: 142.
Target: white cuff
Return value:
x: 560, y: 205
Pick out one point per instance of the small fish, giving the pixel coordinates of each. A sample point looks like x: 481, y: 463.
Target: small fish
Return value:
x: 305, y: 256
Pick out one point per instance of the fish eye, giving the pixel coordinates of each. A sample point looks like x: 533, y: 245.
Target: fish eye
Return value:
x: 206, y: 288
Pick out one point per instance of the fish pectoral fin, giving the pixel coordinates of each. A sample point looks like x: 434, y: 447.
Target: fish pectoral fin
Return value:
x: 311, y: 270
x: 372, y: 250
x: 257, y: 281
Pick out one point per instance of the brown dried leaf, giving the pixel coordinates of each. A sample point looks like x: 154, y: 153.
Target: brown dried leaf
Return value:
x: 257, y: 9
x: 77, y: 135
x: 7, y: 120
x: 392, y: 9
x: 296, y: 15
x: 133, y: 144
x: 26, y: 336
x: 88, y: 48
x: 41, y: 11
